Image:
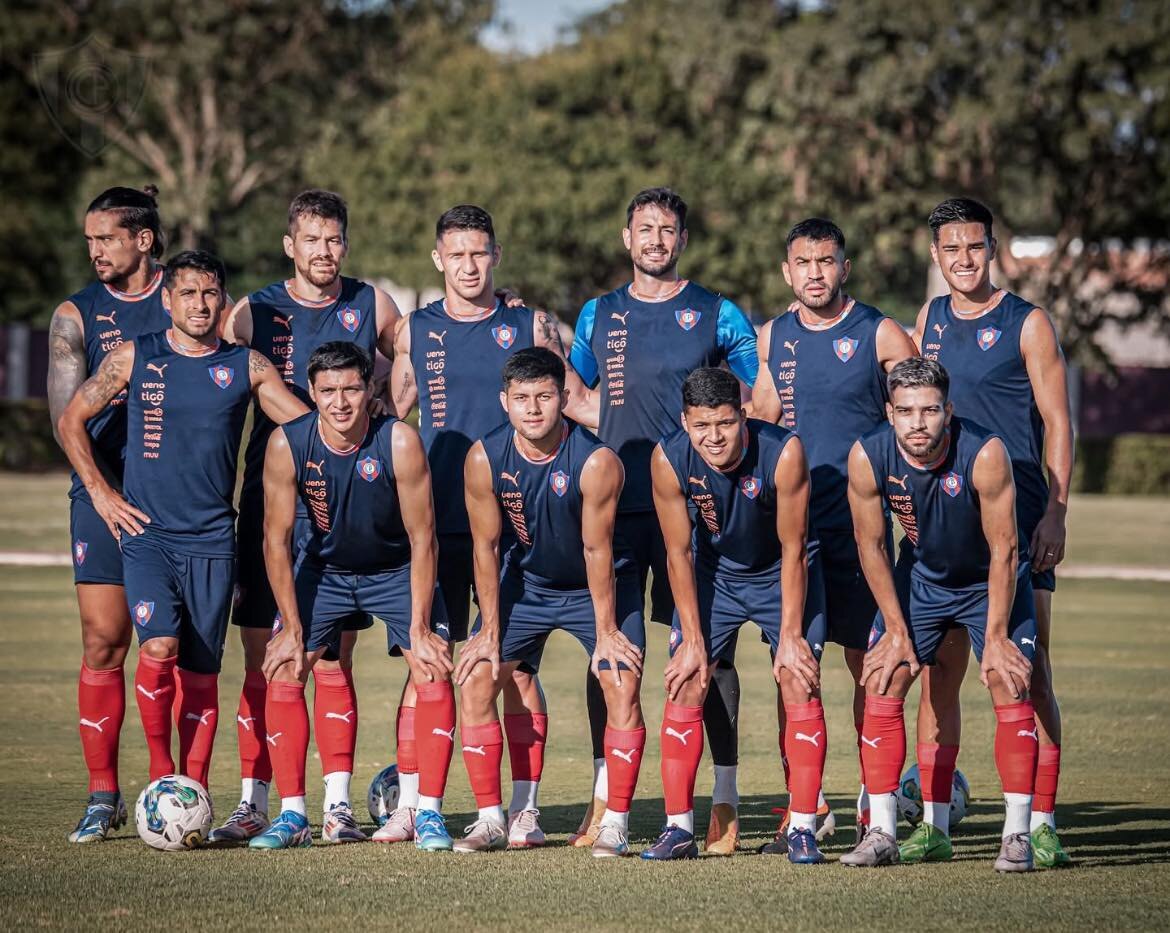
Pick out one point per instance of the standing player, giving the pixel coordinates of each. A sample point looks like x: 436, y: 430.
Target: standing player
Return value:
x: 188, y: 397
x: 370, y: 548
x: 559, y: 487
x: 447, y: 360
x: 124, y: 236
x: 1007, y: 374
x: 732, y: 498
x: 823, y: 368
x: 287, y: 321
x: 638, y: 343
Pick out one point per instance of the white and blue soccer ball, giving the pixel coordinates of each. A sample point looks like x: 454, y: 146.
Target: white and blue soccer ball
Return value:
x: 382, y: 798
x: 910, y: 797
x: 173, y: 813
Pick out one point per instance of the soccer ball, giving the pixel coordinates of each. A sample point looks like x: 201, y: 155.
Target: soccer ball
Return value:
x: 909, y: 795
x: 173, y: 813
x: 382, y: 798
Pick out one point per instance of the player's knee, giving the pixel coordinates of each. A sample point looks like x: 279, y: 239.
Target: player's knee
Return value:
x: 793, y: 690
x: 622, y: 703
x: 478, y: 693
x: 102, y: 649
x: 160, y: 648
x: 1001, y: 692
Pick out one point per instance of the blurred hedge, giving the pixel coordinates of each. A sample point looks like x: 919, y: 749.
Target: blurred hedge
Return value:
x: 26, y: 437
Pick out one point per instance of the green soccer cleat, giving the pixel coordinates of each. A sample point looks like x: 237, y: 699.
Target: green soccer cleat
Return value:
x: 1047, y: 851
x: 926, y: 844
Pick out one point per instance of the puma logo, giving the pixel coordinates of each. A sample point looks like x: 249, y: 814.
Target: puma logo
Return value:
x: 627, y: 757
x: 1028, y: 641
x: 108, y: 318
x: 698, y: 482
x: 811, y: 739
x: 310, y: 465
x: 1025, y: 734
x: 151, y: 695
x: 898, y: 482
x: 513, y: 478
x: 344, y: 717
x: 158, y: 369
x: 790, y: 346
x: 271, y: 738
x: 244, y: 722
x: 286, y: 323
x: 204, y: 718
x: 681, y: 736
x: 438, y: 337
x: 442, y: 627
x: 939, y: 328
x: 872, y: 743
x: 619, y: 317
x: 475, y: 750
x: 95, y: 725
x: 447, y: 734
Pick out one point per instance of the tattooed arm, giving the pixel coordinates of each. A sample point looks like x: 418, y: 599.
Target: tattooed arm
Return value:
x: 584, y: 405
x: 403, y: 388
x: 276, y: 401
x: 67, y: 362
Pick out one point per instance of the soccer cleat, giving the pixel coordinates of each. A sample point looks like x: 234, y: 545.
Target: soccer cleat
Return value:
x: 524, y: 830
x: 877, y: 848
x: 586, y: 833
x: 722, y: 830
x: 105, y: 810
x: 290, y: 831
x: 244, y: 824
x: 926, y: 844
x: 430, y: 832
x: 483, y: 836
x: 399, y: 826
x: 826, y: 822
x: 802, y: 848
x: 1047, y: 851
x: 1015, y: 854
x: 674, y: 843
x: 611, y: 842
x: 340, y: 826
x: 778, y: 846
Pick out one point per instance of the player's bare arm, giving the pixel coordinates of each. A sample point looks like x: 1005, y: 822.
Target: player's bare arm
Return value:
x: 920, y: 326
x: 792, y: 493
x: 584, y: 405
x: 276, y: 401
x: 403, y: 387
x: 893, y: 344
x: 765, y: 398
x: 237, y: 324
x: 387, y: 316
x: 280, y: 503
x: 483, y: 511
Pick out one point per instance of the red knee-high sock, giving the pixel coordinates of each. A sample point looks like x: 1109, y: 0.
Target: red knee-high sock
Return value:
x: 526, y: 733
x: 1017, y: 747
x: 936, y: 770
x: 197, y: 715
x: 154, y: 688
x: 250, y: 728
x: 288, y: 735
x: 681, y: 743
x: 1047, y: 778
x: 483, y: 752
x: 407, y: 754
x: 883, y: 743
x: 101, y: 704
x: 623, y: 759
x: 805, y: 740
x: 435, y: 734
x: 335, y: 719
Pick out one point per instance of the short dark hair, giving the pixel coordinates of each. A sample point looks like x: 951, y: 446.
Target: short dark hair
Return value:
x: 917, y: 372
x: 710, y: 387
x: 663, y: 197
x: 340, y: 354
x: 816, y: 229
x: 532, y: 365
x: 317, y: 202
x: 198, y: 259
x: 137, y: 210
x: 465, y: 217
x: 959, y: 211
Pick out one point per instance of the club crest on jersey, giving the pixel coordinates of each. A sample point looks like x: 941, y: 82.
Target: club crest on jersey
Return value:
x: 952, y: 484
x: 369, y: 469
x: 845, y: 348
x: 79, y: 550
x: 222, y: 376
x: 987, y: 337
x: 351, y: 318
x: 874, y: 635
x: 143, y: 611
x: 675, y: 638
x: 505, y: 335
x: 687, y: 318
x: 559, y: 482
x: 750, y: 486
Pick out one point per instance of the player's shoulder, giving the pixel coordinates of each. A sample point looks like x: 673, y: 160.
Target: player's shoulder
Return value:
x: 300, y: 425
x: 971, y: 435
x: 876, y: 434
x: 272, y: 295
x: 769, y: 433
x: 85, y: 297
x: 676, y: 444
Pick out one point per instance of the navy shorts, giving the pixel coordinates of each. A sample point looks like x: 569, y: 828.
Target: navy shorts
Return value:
x: 96, y: 555
x: 849, y: 605
x: 179, y: 596
x: 326, y: 600
x: 457, y: 580
x: 530, y: 613
x: 643, y: 535
x: 931, y: 611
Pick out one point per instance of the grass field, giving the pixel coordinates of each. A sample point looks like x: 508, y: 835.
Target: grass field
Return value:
x: 1112, y: 656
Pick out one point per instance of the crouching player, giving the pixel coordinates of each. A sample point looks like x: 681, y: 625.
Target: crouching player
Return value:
x: 743, y: 487
x: 950, y: 484
x: 559, y: 486
x: 370, y: 547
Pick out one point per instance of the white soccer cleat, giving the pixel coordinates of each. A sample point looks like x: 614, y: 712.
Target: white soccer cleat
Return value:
x: 524, y: 830
x: 483, y: 836
x: 245, y: 823
x: 399, y: 826
x: 340, y: 826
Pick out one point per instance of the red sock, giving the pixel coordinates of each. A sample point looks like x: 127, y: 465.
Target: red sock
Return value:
x: 527, y: 733
x: 936, y: 770
x: 407, y: 754
x: 805, y: 740
x: 288, y: 735
x: 250, y: 728
x: 1047, y: 777
x: 483, y: 751
x: 197, y: 715
x: 435, y: 733
x: 1017, y: 747
x: 681, y: 743
x: 335, y: 718
x: 623, y: 759
x: 101, y: 703
x: 154, y: 688
x: 883, y: 743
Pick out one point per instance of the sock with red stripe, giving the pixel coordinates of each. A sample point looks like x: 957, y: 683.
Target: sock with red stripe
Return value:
x: 335, y: 719
x: 407, y: 759
x: 1017, y: 750
x: 936, y: 774
x: 883, y: 753
x: 805, y: 742
x: 1047, y: 779
x: 483, y: 752
x: 154, y: 689
x: 681, y: 740
x: 623, y: 760
x: 435, y: 734
x: 197, y: 715
x: 527, y: 733
x: 288, y: 740
x: 101, y: 704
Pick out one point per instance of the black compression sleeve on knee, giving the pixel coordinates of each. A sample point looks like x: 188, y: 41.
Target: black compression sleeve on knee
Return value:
x: 721, y: 714
x: 595, y: 701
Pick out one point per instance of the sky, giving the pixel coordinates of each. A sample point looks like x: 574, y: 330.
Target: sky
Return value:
x: 531, y: 26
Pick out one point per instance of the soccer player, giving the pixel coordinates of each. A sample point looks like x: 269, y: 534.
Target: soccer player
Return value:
x: 949, y: 482
x: 732, y: 498
x: 370, y: 548
x: 188, y: 395
x: 1009, y: 375
x: 558, y: 486
x: 286, y: 322
x: 125, y: 240
x: 638, y: 343
x: 823, y: 368
x: 447, y: 360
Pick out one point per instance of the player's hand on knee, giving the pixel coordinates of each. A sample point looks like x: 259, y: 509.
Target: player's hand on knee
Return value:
x: 479, y: 648
x: 1003, y: 657
x: 689, y: 661
x: 795, y: 655
x: 118, y: 514
x: 430, y: 654
x: 285, y: 647
x: 614, y: 648
x: 883, y: 660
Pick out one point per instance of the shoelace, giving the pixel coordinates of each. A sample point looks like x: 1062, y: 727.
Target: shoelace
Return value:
x: 344, y: 816
x: 526, y: 820
x: 242, y: 812
x: 468, y: 829
x: 431, y: 823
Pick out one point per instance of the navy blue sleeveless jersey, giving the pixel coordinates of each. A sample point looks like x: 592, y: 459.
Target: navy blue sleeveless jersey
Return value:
x: 185, y: 419
x: 937, y: 508
x: 457, y: 365
x: 990, y: 386
x: 355, y: 520
x: 734, y: 513
x: 541, y: 505
x: 109, y: 318
x: 832, y: 391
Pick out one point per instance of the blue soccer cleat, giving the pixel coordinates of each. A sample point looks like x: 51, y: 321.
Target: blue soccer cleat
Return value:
x: 674, y: 843
x: 430, y: 832
x: 802, y: 848
x: 105, y: 810
x: 290, y: 831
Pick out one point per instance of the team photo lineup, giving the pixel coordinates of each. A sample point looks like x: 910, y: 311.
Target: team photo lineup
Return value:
x: 668, y: 475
